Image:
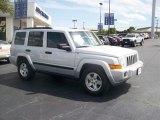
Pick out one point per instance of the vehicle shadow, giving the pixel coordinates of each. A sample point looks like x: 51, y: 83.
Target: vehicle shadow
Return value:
x: 59, y: 87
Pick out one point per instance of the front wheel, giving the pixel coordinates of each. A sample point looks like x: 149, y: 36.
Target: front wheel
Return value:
x: 25, y: 71
x: 95, y: 81
x: 133, y: 44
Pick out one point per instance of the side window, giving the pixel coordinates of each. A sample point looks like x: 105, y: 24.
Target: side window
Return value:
x: 55, y: 38
x: 35, y: 39
x: 20, y: 38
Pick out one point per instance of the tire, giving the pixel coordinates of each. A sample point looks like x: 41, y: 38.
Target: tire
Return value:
x: 95, y: 81
x: 141, y: 43
x: 133, y: 44
x: 8, y: 60
x: 25, y: 70
x: 122, y: 45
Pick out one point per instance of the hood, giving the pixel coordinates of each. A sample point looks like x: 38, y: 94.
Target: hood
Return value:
x: 129, y: 38
x: 106, y: 50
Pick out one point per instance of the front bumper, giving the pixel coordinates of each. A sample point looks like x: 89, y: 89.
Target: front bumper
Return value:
x: 127, y: 42
x: 120, y: 76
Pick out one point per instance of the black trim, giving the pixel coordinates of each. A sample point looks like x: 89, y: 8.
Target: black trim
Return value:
x: 69, y: 68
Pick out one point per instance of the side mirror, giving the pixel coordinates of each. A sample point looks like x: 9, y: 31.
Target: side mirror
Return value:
x: 64, y: 47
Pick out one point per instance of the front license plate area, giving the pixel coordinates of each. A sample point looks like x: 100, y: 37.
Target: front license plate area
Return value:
x: 139, y: 71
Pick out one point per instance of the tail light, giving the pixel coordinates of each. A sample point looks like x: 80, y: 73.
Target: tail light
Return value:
x: 0, y: 48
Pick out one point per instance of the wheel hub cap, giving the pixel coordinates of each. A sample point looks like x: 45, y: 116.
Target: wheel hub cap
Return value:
x: 23, y: 70
x: 93, y: 82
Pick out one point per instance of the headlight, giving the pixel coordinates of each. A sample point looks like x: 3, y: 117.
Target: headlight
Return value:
x: 122, y: 61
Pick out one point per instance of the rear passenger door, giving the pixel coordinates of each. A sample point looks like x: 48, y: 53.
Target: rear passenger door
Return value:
x: 58, y: 60
x: 34, y: 47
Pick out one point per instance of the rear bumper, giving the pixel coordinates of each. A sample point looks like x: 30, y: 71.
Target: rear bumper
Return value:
x: 5, y: 56
x: 120, y: 76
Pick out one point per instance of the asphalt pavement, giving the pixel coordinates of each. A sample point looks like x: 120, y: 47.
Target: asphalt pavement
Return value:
x: 51, y: 98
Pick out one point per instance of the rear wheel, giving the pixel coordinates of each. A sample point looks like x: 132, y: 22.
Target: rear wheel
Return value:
x: 141, y: 43
x: 25, y: 71
x: 95, y: 81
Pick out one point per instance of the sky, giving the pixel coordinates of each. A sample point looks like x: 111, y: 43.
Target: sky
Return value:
x: 136, y: 13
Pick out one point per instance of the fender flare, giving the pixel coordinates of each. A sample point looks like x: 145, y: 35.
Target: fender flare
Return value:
x: 26, y: 57
x: 101, y: 63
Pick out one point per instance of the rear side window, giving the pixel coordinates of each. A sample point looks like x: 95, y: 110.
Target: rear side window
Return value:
x: 20, y: 38
x: 35, y: 39
x: 55, y: 38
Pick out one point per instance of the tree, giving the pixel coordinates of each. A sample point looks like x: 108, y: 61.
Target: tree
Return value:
x: 130, y: 29
x: 112, y: 31
x: 6, y: 7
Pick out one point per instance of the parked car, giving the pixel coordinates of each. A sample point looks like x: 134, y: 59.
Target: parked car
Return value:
x: 113, y: 41
x: 119, y: 40
x: 145, y: 35
x: 4, y: 50
x: 132, y: 39
x: 104, y: 39
x: 74, y: 53
x: 121, y: 35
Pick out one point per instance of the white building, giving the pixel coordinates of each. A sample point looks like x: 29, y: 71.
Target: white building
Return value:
x: 35, y: 16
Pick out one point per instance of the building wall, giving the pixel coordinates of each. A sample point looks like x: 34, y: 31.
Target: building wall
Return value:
x: 34, y: 18
x: 9, y: 29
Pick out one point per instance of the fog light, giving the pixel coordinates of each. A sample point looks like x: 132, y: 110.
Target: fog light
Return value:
x: 125, y: 74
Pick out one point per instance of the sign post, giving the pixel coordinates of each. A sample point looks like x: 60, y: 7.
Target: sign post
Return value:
x: 109, y: 19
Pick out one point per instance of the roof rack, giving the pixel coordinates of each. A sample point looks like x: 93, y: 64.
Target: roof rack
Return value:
x: 38, y: 28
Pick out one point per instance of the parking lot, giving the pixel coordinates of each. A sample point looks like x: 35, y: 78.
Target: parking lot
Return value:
x: 51, y: 98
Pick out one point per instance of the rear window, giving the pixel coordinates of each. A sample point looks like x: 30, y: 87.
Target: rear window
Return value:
x: 35, y: 39
x: 20, y: 38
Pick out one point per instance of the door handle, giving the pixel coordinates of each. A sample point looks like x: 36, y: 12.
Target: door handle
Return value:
x: 47, y: 52
x: 27, y: 50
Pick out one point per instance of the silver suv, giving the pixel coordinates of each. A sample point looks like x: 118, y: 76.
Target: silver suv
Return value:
x: 73, y: 53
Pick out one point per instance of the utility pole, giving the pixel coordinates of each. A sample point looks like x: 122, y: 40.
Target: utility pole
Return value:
x: 153, y: 18
x: 157, y: 25
x: 83, y: 25
x: 115, y: 25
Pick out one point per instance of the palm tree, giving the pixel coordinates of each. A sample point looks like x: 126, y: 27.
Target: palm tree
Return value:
x: 6, y: 7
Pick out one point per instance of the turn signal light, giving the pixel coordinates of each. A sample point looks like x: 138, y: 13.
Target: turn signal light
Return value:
x: 115, y: 66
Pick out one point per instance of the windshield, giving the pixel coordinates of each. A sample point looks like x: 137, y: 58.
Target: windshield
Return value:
x: 3, y: 42
x: 84, y: 39
x: 130, y: 35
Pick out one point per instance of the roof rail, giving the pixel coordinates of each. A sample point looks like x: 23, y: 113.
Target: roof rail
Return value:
x: 38, y: 28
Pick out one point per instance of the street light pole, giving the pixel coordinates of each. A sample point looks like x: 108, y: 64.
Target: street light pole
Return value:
x: 109, y: 19
x: 100, y: 17
x: 83, y: 25
x: 153, y: 18
x: 74, y: 24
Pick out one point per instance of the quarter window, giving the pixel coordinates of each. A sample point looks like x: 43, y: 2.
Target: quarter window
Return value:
x: 20, y: 38
x: 55, y: 38
x: 35, y: 39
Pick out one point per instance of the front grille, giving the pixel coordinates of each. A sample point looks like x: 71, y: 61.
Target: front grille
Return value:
x: 126, y: 40
x: 131, y: 59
